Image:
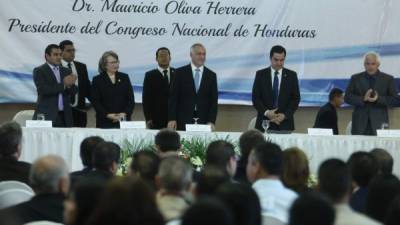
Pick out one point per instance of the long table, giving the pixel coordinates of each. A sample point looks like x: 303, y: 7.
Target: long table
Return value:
x: 65, y: 142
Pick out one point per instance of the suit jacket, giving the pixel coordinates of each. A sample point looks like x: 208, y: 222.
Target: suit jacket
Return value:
x: 48, y: 90
x: 184, y: 98
x: 327, y: 118
x: 377, y: 112
x: 155, y: 97
x: 41, y: 207
x: 83, y: 84
x: 288, y: 99
x: 11, y: 169
x: 112, y: 98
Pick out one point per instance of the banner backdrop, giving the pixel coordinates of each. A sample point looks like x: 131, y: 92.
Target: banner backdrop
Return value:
x: 326, y: 40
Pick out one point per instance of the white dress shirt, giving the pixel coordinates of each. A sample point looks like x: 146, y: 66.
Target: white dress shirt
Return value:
x: 346, y: 216
x: 74, y: 71
x: 275, y: 198
x: 168, y: 73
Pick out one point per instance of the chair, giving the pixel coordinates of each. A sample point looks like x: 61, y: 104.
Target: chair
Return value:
x: 13, y: 184
x: 348, y: 128
x: 252, y: 124
x: 13, y: 197
x: 270, y: 220
x: 22, y: 116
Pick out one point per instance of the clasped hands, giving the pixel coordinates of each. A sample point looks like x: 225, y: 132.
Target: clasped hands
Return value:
x: 371, y: 96
x: 70, y: 80
x: 275, y: 117
x: 115, y: 117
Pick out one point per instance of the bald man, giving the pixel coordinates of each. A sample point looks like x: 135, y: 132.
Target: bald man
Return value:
x: 371, y: 93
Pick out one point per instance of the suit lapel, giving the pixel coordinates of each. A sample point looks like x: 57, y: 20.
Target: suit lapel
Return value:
x: 268, y: 81
x: 283, y: 82
x: 191, y: 79
x: 51, y: 73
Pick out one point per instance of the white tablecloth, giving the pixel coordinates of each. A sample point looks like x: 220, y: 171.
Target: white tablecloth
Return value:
x: 66, y: 141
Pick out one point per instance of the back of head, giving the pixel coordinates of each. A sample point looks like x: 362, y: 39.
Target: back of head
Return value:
x: 10, y: 140
x: 334, y: 179
x: 384, y: 160
x: 381, y: 191
x: 219, y: 153
x: 207, y: 211
x: 210, y: 179
x: 167, y: 140
x: 49, y: 174
x: 249, y: 140
x: 145, y: 164
x: 127, y: 200
x: 86, y: 149
x: 175, y: 174
x: 105, y: 155
x: 295, y: 172
x: 243, y: 202
x: 269, y: 156
x: 311, y: 209
x: 363, y: 167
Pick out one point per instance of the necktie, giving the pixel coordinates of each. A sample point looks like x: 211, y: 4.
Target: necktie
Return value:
x: 69, y: 66
x: 275, y: 90
x: 197, y: 79
x: 165, y: 72
x: 60, y: 96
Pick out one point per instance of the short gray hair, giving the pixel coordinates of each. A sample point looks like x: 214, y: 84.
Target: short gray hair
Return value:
x: 175, y: 174
x: 373, y: 54
x: 46, y: 173
x: 103, y: 60
x: 195, y: 46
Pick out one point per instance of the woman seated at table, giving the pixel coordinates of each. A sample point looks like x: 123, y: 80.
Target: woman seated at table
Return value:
x: 112, y: 93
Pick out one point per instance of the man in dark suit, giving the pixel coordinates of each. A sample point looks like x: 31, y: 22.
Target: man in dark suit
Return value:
x: 327, y: 115
x: 78, y: 101
x: 55, y: 85
x: 371, y: 93
x: 50, y: 181
x: 276, y: 93
x: 156, y: 87
x: 10, y: 151
x: 194, y: 95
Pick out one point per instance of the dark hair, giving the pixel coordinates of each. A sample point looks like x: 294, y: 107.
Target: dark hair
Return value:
x: 163, y: 48
x: 207, y: 211
x: 209, y: 180
x: 104, y: 154
x: 384, y: 160
x: 219, y: 153
x: 335, y: 92
x: 10, y: 139
x: 363, y: 167
x: 249, y: 140
x: 243, y: 201
x: 270, y: 157
x: 277, y: 49
x: 392, y: 214
x: 295, y: 170
x: 381, y: 191
x: 168, y: 140
x: 311, y: 209
x: 64, y: 43
x: 146, y: 164
x: 87, y: 146
x: 334, y: 179
x: 50, y: 47
x: 127, y: 200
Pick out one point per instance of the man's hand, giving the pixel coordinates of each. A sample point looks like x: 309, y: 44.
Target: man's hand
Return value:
x: 375, y: 98
x: 121, y: 115
x: 212, y: 126
x: 70, y: 80
x: 113, y: 116
x: 367, y: 95
x: 172, y: 124
x: 280, y: 117
x: 271, y: 114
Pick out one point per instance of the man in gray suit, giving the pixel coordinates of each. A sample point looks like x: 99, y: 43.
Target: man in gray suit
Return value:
x: 371, y: 93
x: 54, y: 84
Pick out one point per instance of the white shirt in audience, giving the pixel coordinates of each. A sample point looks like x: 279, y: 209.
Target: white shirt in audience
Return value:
x: 346, y: 216
x: 275, y: 198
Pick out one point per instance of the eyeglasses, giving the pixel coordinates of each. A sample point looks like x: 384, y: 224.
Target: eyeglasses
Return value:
x: 70, y: 50
x: 113, y: 62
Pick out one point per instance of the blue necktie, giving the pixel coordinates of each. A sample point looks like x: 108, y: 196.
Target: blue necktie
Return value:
x: 275, y: 90
x: 197, y: 79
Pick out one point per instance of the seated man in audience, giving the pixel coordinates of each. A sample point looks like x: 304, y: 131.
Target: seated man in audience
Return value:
x: 363, y: 168
x: 145, y: 165
x: 10, y: 151
x: 168, y: 142
x: 222, y: 154
x: 105, y: 159
x: 384, y: 160
x: 247, y: 141
x: 86, y: 150
x: 175, y: 179
x: 263, y: 170
x: 327, y: 115
x: 335, y: 182
x: 49, y: 178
